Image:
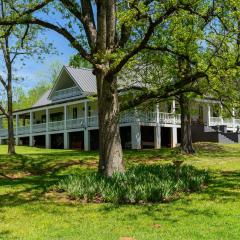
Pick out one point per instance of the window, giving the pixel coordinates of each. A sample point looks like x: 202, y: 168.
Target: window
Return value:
x: 200, y: 114
x: 89, y: 111
x: 54, y: 117
x: 75, y: 112
x: 43, y: 119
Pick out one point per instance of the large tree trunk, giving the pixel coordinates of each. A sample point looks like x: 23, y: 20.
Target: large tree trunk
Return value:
x: 11, y: 141
x: 111, y: 157
x: 186, y: 125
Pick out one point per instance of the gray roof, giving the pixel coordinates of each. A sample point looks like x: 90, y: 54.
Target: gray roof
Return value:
x: 86, y: 81
x: 84, y: 78
x: 43, y: 100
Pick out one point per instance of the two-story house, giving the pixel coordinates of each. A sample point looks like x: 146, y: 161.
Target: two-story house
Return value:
x: 67, y: 117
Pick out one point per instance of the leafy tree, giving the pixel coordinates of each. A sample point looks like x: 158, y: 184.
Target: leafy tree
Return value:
x: 108, y: 34
x: 77, y: 61
x: 178, y: 65
x: 202, y: 50
x: 26, y: 98
x: 16, y: 43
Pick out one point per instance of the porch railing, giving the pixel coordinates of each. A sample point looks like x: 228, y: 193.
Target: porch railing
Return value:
x: 229, y: 122
x: 93, y: 121
x: 75, y: 123
x: 169, y: 118
x: 3, y: 132
x: 128, y: 117
x: 66, y: 93
x: 56, y: 126
x: 148, y: 117
x: 24, y: 130
x: 41, y: 127
x: 214, y: 121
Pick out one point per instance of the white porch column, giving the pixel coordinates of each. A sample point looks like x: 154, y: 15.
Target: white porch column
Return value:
x: 136, y: 136
x: 31, y: 140
x: 1, y: 141
x: 157, y: 137
x: 47, y: 120
x: 16, y: 141
x: 86, y: 113
x: 233, y: 118
x: 66, y: 140
x: 47, y: 140
x: 173, y: 137
x: 157, y: 130
x: 221, y: 113
x: 31, y: 122
x: 65, y: 117
x: 173, y: 106
x: 86, y: 132
x: 209, y: 115
x: 86, y: 140
x: 157, y: 113
x: 17, y: 122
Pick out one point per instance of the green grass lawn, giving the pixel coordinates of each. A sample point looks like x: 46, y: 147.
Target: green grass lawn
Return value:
x: 30, y: 210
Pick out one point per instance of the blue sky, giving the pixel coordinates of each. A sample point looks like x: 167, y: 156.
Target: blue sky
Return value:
x: 35, y: 71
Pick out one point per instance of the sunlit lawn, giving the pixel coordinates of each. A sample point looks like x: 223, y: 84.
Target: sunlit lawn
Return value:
x: 30, y: 210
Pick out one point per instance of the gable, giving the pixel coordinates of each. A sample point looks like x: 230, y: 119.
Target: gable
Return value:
x: 64, y: 81
x: 84, y: 78
x: 65, y: 87
x: 73, y: 82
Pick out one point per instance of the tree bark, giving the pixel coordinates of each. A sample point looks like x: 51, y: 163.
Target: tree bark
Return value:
x: 111, y: 157
x: 11, y: 141
x: 186, y: 125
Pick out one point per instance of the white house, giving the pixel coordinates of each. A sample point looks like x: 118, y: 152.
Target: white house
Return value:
x: 66, y: 117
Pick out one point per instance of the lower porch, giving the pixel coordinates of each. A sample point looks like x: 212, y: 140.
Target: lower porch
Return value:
x: 134, y: 136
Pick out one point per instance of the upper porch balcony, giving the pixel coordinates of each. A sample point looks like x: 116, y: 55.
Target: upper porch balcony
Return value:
x: 231, y: 123
x: 164, y: 119
x: 66, y: 93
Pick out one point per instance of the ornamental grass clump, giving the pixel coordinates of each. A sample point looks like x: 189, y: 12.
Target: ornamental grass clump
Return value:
x: 140, y: 184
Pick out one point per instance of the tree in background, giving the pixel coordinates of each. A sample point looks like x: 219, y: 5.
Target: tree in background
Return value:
x: 108, y: 34
x: 177, y: 65
x: 15, y: 43
x: 26, y: 98
x: 202, y: 53
x: 224, y: 73
x: 79, y: 62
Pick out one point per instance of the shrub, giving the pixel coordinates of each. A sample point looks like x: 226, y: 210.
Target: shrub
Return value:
x: 154, y: 183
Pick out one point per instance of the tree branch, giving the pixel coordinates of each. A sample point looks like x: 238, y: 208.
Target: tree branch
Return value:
x: 144, y: 41
x: 166, y: 49
x: 32, y: 9
x: 163, y: 93
x: 62, y: 31
x: 3, y: 82
x: 3, y: 111
x: 85, y: 17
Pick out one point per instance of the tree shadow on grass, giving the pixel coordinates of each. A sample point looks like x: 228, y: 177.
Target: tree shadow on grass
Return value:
x: 45, y: 170
x: 4, y: 234
x: 223, y: 188
x: 45, y: 164
x: 24, y: 190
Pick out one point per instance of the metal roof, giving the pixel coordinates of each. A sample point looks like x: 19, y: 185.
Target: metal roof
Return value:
x: 84, y: 78
x: 43, y: 100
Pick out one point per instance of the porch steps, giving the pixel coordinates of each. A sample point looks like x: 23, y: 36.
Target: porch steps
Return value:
x: 214, y: 134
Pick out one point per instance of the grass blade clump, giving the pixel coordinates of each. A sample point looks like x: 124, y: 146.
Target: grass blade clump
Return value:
x: 143, y: 183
